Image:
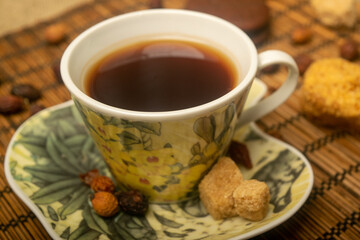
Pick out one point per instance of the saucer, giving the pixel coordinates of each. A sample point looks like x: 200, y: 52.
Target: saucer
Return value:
x: 48, y: 182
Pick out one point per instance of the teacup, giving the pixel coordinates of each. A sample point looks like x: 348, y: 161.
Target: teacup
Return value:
x: 165, y: 154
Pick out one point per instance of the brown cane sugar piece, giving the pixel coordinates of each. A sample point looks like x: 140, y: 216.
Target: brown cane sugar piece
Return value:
x: 251, y: 200
x: 330, y: 93
x: 252, y: 16
x: 217, y: 187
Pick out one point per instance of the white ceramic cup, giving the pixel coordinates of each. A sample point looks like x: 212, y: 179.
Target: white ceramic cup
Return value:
x: 165, y: 154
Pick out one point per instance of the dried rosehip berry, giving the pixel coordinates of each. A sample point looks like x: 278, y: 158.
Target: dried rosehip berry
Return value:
x: 27, y: 91
x: 105, y: 204
x: 133, y: 202
x: 11, y: 104
x: 240, y: 154
x: 89, y: 176
x: 102, y: 184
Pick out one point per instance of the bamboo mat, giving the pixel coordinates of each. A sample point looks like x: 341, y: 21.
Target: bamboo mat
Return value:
x: 333, y: 208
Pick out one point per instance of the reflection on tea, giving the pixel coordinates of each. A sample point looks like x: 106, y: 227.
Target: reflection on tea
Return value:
x: 161, y: 75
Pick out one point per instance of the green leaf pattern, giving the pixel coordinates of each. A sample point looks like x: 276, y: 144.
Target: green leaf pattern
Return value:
x: 60, y: 152
x: 59, y: 148
x: 207, y: 128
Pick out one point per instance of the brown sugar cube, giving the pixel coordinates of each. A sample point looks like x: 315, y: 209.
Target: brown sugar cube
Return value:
x: 251, y: 199
x: 217, y: 187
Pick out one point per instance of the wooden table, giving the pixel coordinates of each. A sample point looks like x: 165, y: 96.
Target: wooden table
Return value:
x: 333, y: 209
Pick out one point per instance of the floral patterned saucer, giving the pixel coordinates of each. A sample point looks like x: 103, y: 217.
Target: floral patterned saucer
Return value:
x: 49, y: 151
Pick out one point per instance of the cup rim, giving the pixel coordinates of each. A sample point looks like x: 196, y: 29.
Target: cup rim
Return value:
x: 160, y: 115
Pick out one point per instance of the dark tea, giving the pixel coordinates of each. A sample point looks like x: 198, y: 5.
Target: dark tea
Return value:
x: 161, y: 75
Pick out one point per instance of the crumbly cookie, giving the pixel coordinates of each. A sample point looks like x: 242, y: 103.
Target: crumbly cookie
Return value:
x: 331, y: 93
x: 252, y: 16
x: 336, y: 13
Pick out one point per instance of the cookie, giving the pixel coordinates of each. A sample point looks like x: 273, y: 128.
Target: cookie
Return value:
x: 252, y: 16
x: 330, y: 93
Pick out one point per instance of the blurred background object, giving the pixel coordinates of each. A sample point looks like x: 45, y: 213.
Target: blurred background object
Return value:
x: 18, y: 14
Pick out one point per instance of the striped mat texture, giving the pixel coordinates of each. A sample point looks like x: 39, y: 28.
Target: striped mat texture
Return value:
x: 333, y: 208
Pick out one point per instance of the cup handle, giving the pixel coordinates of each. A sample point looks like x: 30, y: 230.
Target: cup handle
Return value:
x: 279, y: 96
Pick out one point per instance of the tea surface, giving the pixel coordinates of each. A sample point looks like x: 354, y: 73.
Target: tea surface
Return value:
x: 161, y: 75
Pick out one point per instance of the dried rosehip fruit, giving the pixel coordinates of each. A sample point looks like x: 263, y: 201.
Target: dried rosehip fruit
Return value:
x: 89, y: 176
x: 11, y: 104
x: 349, y: 50
x: 105, y: 204
x: 102, y: 184
x: 240, y: 154
x: 133, y: 202
x: 27, y: 91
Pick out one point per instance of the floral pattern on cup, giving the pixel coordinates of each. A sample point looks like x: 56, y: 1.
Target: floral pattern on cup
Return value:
x: 54, y: 192
x: 146, y: 155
